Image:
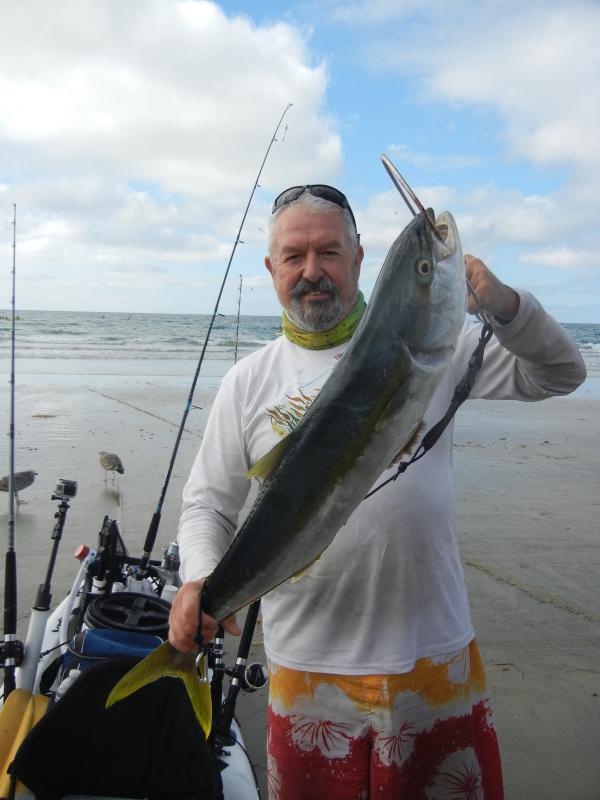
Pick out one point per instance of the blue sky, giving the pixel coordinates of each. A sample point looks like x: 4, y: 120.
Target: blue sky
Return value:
x: 131, y: 133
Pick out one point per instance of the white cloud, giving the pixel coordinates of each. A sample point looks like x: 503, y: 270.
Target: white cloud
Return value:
x: 177, y: 94
x: 529, y: 69
x: 386, y: 214
x: 538, y: 70
x: 133, y: 132
x: 499, y: 216
x: 534, y: 64
x: 563, y: 258
x: 490, y: 220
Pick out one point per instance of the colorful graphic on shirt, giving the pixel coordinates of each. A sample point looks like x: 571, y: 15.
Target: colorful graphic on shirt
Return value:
x: 285, y: 416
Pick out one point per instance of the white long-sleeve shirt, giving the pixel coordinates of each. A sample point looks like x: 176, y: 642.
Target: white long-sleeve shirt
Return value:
x: 390, y: 588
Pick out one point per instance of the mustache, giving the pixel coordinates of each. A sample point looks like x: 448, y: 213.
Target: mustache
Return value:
x: 304, y: 286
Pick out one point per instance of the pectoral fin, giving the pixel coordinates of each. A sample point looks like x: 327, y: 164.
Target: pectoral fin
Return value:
x: 389, y: 415
x: 268, y: 463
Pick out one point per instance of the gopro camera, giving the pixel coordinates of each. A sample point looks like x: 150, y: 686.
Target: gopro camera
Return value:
x: 65, y: 488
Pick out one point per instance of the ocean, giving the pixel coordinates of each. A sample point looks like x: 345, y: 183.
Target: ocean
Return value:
x: 53, y: 341
x: 96, y: 335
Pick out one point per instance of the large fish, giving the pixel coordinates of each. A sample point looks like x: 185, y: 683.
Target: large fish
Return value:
x: 364, y: 416
x: 366, y: 413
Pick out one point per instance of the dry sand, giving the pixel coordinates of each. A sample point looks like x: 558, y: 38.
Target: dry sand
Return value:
x: 528, y: 500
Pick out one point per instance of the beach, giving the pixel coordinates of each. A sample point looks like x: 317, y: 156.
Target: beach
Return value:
x: 527, y: 485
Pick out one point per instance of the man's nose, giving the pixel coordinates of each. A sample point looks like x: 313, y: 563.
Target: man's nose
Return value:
x: 313, y: 269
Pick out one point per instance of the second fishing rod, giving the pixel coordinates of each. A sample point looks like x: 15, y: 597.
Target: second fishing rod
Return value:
x: 242, y: 677
x: 156, y: 517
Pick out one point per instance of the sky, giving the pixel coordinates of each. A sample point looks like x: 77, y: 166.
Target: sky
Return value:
x: 131, y: 135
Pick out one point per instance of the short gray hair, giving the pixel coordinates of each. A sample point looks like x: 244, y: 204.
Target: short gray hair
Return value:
x: 316, y: 205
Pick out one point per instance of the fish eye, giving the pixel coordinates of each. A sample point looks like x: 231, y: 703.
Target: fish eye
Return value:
x: 424, y: 268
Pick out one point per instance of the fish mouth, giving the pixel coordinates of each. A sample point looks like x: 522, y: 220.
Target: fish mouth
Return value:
x: 430, y: 358
x: 446, y: 245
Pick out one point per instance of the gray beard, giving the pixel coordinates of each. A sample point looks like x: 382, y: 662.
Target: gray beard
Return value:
x: 317, y: 315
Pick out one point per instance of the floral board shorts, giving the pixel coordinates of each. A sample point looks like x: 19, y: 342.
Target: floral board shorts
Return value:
x: 427, y: 734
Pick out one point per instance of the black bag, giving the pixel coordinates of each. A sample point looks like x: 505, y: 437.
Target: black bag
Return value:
x: 149, y: 745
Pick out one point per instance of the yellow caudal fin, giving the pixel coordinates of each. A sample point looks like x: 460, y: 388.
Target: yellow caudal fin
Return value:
x: 166, y: 662
x: 268, y: 463
x: 199, y: 694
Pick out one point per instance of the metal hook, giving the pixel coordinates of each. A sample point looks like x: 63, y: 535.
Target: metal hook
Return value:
x: 402, y: 186
x: 202, y: 666
x: 393, y: 173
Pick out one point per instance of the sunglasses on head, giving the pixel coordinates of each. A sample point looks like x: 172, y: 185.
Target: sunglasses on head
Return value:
x: 321, y: 190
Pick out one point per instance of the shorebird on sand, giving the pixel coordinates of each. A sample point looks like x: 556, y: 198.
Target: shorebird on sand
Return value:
x: 111, y: 463
x: 22, y: 481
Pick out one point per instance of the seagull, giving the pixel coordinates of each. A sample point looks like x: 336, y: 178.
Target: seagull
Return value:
x: 111, y: 463
x: 21, y: 481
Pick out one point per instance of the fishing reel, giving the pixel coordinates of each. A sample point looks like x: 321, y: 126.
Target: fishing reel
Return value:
x: 254, y: 677
x: 250, y: 677
x: 11, y: 653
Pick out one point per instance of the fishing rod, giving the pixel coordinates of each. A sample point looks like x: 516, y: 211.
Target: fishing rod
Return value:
x: 155, y: 521
x: 247, y: 677
x: 12, y: 650
x: 237, y: 327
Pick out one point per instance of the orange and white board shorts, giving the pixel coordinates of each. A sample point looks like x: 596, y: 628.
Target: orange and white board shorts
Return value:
x: 427, y: 734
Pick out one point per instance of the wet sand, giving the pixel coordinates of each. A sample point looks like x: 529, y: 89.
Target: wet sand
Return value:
x: 527, y: 484
x: 529, y: 501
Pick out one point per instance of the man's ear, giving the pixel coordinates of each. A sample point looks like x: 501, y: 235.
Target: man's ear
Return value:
x: 358, y: 259
x: 269, y: 265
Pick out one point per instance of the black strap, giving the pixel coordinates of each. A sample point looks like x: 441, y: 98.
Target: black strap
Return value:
x: 462, y: 391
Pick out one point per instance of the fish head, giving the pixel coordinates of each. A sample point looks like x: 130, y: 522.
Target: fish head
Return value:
x: 424, y: 277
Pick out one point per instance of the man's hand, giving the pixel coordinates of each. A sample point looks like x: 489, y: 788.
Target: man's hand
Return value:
x: 496, y: 298
x: 183, y: 619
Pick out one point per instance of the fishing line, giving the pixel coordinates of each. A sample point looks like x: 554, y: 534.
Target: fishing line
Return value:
x: 137, y: 408
x: 155, y: 521
x: 479, y: 312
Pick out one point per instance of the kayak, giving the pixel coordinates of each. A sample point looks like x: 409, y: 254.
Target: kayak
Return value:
x: 56, y: 736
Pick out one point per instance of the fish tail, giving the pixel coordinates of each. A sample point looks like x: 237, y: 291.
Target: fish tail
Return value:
x: 162, y: 663
x: 200, y: 698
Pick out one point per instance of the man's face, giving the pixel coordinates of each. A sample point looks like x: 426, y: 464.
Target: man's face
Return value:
x: 314, y: 271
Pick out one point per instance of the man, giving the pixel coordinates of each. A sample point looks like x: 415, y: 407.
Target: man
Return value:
x: 377, y: 687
